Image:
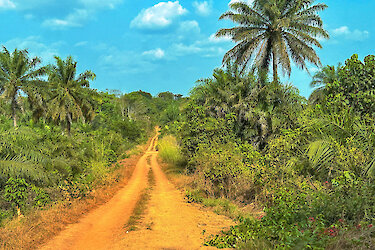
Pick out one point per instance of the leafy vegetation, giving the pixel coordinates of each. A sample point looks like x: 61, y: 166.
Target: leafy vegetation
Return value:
x: 309, y: 164
x: 59, y: 138
x: 170, y: 152
x: 243, y: 138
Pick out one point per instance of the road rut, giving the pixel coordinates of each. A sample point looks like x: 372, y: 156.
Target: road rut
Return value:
x: 170, y: 222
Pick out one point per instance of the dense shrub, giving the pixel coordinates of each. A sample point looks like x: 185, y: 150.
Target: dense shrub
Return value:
x: 220, y: 172
x: 311, y: 167
x: 307, y: 216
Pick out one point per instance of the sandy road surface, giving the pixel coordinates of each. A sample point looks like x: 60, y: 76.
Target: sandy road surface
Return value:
x: 170, y: 222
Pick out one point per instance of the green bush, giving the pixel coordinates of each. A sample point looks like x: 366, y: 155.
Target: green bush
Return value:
x: 305, y: 215
x: 41, y: 198
x: 16, y: 193
x: 220, y: 171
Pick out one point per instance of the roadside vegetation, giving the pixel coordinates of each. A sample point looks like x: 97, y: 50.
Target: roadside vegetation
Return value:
x: 59, y: 138
x: 295, y: 173
x: 309, y: 163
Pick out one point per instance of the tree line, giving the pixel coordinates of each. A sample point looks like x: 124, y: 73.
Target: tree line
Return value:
x: 59, y: 138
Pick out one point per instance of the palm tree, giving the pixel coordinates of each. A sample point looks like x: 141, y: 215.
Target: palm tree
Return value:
x: 18, y: 73
x: 230, y: 91
x: 274, y: 31
x: 260, y: 111
x: 70, y: 96
x: 328, y: 74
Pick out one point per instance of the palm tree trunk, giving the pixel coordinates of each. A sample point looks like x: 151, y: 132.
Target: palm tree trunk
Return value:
x: 69, y: 128
x: 69, y: 123
x: 14, y: 115
x: 274, y: 66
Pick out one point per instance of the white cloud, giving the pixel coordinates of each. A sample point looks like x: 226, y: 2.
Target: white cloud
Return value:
x: 81, y: 44
x: 155, y: 53
x: 35, y: 47
x: 347, y: 33
x: 76, y: 13
x: 28, y: 4
x: 86, y: 4
x: 189, y: 26
x: 29, y: 16
x: 124, y: 62
x: 74, y: 19
x: 313, y: 69
x: 7, y: 4
x: 342, y: 30
x: 158, y: 16
x: 121, y: 61
x: 181, y: 49
x: 202, y: 8
x: 203, y: 48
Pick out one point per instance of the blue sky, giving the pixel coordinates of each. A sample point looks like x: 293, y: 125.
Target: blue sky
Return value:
x: 159, y: 46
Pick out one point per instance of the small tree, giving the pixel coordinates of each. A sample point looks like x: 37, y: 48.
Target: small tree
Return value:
x: 16, y: 193
x: 354, y: 87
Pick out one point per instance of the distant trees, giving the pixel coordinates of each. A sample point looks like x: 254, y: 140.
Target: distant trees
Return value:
x: 354, y: 88
x: 274, y: 32
x: 18, y: 73
x: 348, y: 87
x: 64, y: 97
x: 135, y: 106
x: 328, y: 74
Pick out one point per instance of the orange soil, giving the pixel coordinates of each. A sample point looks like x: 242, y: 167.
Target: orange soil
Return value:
x: 39, y: 226
x: 170, y: 223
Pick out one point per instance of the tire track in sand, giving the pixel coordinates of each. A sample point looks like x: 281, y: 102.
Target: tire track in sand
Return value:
x: 171, y: 223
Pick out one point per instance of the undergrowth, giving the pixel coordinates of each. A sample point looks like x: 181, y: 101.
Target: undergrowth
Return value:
x: 42, y: 223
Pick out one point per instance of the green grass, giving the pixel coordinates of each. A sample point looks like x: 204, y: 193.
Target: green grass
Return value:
x: 141, y: 205
x: 219, y: 205
x: 170, y: 152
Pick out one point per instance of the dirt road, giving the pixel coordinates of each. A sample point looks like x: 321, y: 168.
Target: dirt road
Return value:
x: 170, y: 222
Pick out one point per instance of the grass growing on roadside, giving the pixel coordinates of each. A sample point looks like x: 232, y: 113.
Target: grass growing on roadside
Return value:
x: 221, y: 206
x: 170, y: 152
x: 141, y: 204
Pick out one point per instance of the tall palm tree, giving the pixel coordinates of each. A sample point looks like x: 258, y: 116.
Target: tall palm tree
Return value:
x: 274, y: 31
x: 70, y: 97
x: 18, y: 73
x: 327, y: 74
